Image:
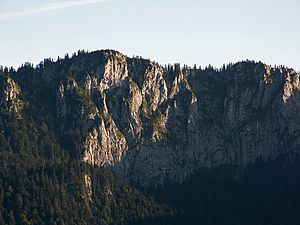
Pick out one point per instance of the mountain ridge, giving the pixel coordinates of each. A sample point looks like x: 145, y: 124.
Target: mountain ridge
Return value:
x: 151, y: 124
x: 101, y: 138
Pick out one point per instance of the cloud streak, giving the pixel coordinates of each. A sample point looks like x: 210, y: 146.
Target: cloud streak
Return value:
x: 48, y: 8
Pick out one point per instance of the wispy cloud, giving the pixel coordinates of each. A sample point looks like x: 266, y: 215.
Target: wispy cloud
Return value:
x: 48, y: 8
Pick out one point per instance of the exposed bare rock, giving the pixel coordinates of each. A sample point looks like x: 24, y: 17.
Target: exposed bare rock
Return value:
x: 88, y: 187
x: 153, y: 125
x: 115, y: 70
x: 9, y: 98
x: 105, y: 145
x: 154, y: 88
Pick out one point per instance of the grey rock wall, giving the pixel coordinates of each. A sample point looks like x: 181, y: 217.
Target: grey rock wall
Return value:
x: 153, y: 124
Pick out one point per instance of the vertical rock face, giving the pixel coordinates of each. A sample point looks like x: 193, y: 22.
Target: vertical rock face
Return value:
x: 115, y: 70
x: 9, y: 96
x: 88, y: 186
x: 153, y: 125
x: 105, y: 145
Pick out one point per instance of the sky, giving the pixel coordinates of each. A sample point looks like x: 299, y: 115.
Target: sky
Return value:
x: 188, y: 32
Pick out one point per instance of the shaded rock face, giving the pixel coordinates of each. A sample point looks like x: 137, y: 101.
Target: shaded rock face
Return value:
x: 153, y: 125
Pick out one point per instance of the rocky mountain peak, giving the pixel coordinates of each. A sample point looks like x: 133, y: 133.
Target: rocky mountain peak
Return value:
x: 153, y: 124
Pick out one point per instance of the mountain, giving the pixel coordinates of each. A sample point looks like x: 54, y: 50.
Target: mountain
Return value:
x: 117, y: 140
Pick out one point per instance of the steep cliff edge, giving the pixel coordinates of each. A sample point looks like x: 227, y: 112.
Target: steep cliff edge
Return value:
x: 153, y: 124
x: 9, y: 92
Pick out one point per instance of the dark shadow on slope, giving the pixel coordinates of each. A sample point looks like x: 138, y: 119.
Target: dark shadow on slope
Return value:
x: 264, y: 193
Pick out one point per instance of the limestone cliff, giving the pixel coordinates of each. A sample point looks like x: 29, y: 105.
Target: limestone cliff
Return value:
x: 154, y: 124
x: 10, y: 103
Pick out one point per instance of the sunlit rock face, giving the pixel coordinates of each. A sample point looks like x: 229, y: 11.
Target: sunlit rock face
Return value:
x: 10, y: 102
x: 153, y: 124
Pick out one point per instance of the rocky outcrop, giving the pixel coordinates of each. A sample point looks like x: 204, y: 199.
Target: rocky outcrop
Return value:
x: 10, y: 102
x: 105, y: 145
x: 154, y: 124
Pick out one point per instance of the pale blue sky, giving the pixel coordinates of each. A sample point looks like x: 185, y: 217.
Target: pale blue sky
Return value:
x: 190, y: 32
